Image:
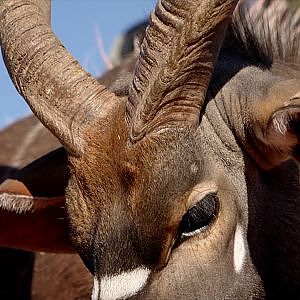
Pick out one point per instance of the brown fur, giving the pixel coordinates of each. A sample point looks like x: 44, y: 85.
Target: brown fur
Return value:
x: 125, y: 200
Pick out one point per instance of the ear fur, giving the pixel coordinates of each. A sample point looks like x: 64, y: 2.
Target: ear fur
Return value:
x: 32, y: 215
x: 277, y: 124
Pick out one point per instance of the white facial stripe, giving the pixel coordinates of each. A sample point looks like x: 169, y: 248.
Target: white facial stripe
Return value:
x: 239, y: 251
x: 95, y: 293
x: 123, y: 285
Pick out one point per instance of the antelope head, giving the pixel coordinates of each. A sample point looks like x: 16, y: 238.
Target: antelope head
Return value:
x: 156, y: 195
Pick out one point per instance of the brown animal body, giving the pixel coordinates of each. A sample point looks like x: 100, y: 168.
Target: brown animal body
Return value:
x: 185, y: 185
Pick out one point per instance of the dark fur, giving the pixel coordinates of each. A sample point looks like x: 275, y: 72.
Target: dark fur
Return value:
x: 259, y: 43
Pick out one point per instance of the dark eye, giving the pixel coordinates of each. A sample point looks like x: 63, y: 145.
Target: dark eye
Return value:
x: 199, y: 216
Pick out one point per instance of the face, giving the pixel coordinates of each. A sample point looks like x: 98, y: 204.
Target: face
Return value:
x: 168, y: 207
x: 172, y: 210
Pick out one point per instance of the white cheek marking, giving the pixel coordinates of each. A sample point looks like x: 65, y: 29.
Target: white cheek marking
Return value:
x: 95, y: 293
x: 194, y: 168
x: 239, y: 251
x: 123, y: 285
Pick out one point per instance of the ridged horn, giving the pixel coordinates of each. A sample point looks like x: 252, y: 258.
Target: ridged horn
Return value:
x: 60, y: 93
x: 176, y: 62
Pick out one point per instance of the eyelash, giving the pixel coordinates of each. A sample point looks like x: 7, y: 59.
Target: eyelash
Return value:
x: 200, y: 216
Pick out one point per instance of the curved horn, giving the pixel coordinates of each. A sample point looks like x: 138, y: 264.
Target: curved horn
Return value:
x: 176, y: 63
x: 59, y: 92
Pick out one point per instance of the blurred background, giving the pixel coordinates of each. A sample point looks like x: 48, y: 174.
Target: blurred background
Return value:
x: 295, y: 2
x: 87, y: 28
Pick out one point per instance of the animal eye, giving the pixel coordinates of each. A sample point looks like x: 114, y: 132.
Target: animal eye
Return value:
x: 198, y: 217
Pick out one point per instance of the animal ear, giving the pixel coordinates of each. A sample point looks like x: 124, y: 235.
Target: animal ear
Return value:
x: 32, y: 215
x: 277, y: 124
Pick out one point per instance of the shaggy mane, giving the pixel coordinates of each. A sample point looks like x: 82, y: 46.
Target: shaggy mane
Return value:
x: 264, y: 36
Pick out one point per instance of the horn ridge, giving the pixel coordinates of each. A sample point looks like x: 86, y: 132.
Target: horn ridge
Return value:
x: 60, y: 93
x: 176, y: 62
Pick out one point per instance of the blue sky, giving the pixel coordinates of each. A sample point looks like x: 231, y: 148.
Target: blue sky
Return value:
x: 75, y: 23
